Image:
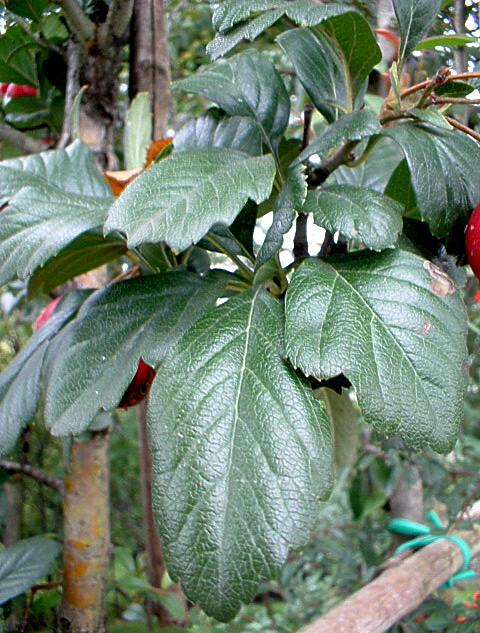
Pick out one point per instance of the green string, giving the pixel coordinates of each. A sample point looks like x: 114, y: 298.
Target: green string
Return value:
x: 423, y: 536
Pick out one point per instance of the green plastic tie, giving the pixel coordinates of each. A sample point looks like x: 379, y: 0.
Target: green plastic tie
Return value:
x: 422, y: 536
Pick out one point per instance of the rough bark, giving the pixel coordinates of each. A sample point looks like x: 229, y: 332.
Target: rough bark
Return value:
x: 398, y: 591
x: 149, y: 60
x: 86, y: 535
x: 406, y: 500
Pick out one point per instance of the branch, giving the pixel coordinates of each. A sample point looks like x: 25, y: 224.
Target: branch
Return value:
x: 72, y: 88
x: 118, y: 18
x: 463, y: 128
x: 80, y: 24
x: 300, y: 240
x: 398, y: 590
x: 35, y: 473
x: 24, y: 142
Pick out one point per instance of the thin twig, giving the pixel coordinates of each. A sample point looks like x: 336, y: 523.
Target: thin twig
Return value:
x: 459, y: 100
x: 72, y: 88
x: 463, y: 128
x: 24, y: 142
x: 35, y: 473
x: 300, y: 240
x: 78, y: 21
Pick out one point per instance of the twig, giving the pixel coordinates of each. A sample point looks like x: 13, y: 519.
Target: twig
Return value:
x: 118, y: 17
x: 78, y: 21
x: 35, y: 473
x: 72, y: 88
x: 24, y: 142
x: 463, y: 128
x: 459, y: 100
x: 300, y: 240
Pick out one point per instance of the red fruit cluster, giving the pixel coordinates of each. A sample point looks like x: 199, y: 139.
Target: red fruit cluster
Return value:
x: 17, y: 90
x: 139, y: 387
x: 472, y: 241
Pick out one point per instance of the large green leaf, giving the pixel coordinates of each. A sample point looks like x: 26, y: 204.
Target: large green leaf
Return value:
x: 53, y: 198
x: 179, y: 199
x: 241, y: 454
x: 99, y: 353
x: 246, y: 85
x: 352, y: 127
x: 85, y: 253
x: 215, y: 129
x: 288, y: 204
x: 358, y: 213
x: 386, y: 321
x: 414, y: 17
x: 334, y: 62
x: 231, y: 19
x: 20, y: 382
x: 17, y: 60
x: 443, y: 168
x: 24, y: 563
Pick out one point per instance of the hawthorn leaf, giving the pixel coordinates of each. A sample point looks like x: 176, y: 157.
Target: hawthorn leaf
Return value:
x: 450, y: 41
x: 53, y: 198
x: 352, y: 127
x: 395, y: 328
x: 20, y: 382
x: 118, y: 325
x: 138, y: 131
x: 24, y: 563
x: 344, y: 416
x: 86, y: 252
x: 246, y: 85
x: 357, y: 213
x: 414, y: 17
x: 334, y: 62
x: 288, y: 204
x: 231, y: 19
x: 241, y: 450
x: 31, y: 9
x: 215, y: 129
x: 443, y: 170
x: 179, y: 199
x: 17, y: 57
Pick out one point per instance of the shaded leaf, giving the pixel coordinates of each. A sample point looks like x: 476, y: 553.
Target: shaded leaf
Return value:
x: 379, y: 320
x: 24, y: 563
x: 168, y: 204
x: 17, y: 60
x: 414, y: 17
x: 31, y: 9
x: 215, y: 129
x: 138, y: 131
x: 241, y: 454
x: 20, y: 381
x: 344, y: 417
x: 357, y: 213
x: 246, y: 85
x: 99, y: 353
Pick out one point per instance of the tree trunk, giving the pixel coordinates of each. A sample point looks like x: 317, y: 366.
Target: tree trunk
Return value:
x: 86, y: 535
x: 406, y: 500
x: 149, y: 60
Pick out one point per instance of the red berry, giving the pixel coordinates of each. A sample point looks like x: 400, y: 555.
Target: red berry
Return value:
x: 3, y: 88
x: 139, y: 387
x: 472, y: 241
x: 19, y: 90
x: 46, y: 313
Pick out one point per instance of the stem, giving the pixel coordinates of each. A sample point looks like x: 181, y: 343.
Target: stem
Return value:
x: 35, y: 473
x: 463, y: 128
x: 248, y: 273
x: 80, y: 24
x: 24, y: 142
x: 460, y: 100
x: 72, y: 88
x: 300, y: 240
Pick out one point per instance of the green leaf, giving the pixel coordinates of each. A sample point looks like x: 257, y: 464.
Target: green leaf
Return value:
x: 288, y: 204
x: 17, y: 60
x: 215, y: 129
x: 449, y: 41
x: 99, y: 353
x: 357, y: 213
x: 386, y: 321
x: 31, y: 9
x: 352, y: 127
x: 179, y: 199
x: 334, y: 62
x: 344, y: 417
x: 414, y: 17
x: 246, y: 85
x: 241, y: 454
x: 85, y: 253
x: 53, y: 198
x: 138, y: 131
x: 229, y: 18
x: 20, y: 382
x: 24, y: 563
x: 443, y: 169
